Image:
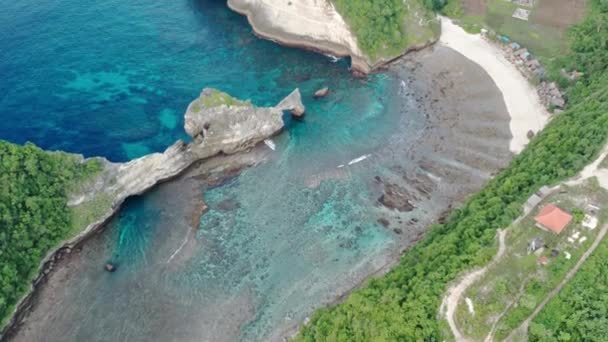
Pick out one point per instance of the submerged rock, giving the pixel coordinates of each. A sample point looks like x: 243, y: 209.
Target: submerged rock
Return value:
x: 384, y: 222
x: 395, y: 197
x: 321, y: 93
x: 110, y: 267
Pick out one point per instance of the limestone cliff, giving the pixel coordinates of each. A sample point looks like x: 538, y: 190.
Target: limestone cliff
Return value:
x: 215, y: 128
x: 318, y: 26
x: 217, y: 125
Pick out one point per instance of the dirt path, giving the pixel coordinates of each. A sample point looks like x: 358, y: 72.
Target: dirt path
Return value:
x: 450, y: 301
x: 592, y: 170
x: 523, y: 328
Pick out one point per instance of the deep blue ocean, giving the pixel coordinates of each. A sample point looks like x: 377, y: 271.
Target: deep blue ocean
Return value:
x: 113, y: 78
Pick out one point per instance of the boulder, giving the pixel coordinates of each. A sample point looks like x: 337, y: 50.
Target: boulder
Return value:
x: 384, y: 222
x: 297, y: 112
x: 321, y: 93
x: 293, y: 103
x: 395, y: 197
x: 530, y: 134
x: 110, y: 267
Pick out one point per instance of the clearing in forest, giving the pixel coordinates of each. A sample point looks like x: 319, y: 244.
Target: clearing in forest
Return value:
x: 535, y: 262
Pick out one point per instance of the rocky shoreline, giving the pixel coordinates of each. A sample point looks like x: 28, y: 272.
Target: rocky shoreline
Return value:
x: 316, y: 26
x: 217, y: 129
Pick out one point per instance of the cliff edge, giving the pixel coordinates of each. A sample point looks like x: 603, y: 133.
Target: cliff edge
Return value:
x: 317, y: 25
x: 217, y: 122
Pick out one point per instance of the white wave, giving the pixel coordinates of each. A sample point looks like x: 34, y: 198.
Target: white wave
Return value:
x: 270, y: 144
x: 359, y: 159
x: 333, y: 58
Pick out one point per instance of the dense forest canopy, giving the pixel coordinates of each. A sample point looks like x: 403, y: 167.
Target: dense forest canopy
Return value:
x: 580, y: 311
x: 403, y: 305
x: 34, y: 216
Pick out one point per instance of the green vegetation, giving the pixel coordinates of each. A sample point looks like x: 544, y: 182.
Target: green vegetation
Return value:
x: 34, y: 216
x: 213, y: 98
x: 579, y: 311
x: 543, y: 38
x: 90, y: 211
x: 403, y: 305
x: 385, y: 28
x: 513, y: 287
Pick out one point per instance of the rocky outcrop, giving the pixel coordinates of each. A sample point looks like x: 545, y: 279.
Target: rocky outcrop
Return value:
x: 316, y: 25
x: 396, y: 197
x: 216, y: 128
x: 321, y: 93
x: 311, y: 24
x: 293, y: 103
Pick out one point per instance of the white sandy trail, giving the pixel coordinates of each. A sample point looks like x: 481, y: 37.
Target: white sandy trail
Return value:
x: 450, y: 301
x: 522, y: 100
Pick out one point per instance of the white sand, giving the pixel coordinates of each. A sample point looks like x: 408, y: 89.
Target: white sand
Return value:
x: 522, y: 101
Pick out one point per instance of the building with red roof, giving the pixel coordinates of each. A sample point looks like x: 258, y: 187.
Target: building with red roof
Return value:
x: 552, y: 218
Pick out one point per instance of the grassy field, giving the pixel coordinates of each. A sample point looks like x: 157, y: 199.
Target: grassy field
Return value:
x: 512, y: 288
x: 543, y: 33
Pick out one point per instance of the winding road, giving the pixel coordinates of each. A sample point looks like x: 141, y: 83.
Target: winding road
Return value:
x: 450, y: 301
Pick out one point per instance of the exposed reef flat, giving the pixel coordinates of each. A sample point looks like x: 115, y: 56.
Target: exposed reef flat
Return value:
x: 260, y: 261
x: 216, y: 128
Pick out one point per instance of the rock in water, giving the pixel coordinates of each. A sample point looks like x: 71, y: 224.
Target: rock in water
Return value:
x: 321, y: 93
x: 110, y: 267
x: 395, y: 197
x: 222, y: 123
x: 293, y: 103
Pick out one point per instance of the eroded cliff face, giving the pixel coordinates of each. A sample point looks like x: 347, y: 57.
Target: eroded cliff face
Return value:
x: 311, y: 24
x: 217, y: 125
x: 215, y: 128
x: 317, y: 25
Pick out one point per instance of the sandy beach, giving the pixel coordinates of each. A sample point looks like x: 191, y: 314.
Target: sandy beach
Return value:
x: 522, y: 101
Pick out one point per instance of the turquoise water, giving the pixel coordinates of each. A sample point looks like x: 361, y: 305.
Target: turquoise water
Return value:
x: 113, y: 78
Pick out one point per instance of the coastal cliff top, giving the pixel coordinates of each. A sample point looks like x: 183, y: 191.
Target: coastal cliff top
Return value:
x: 371, y: 33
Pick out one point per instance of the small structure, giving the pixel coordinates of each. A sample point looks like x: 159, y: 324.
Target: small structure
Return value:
x: 590, y: 222
x: 525, y: 3
x: 567, y: 255
x: 554, y: 252
x: 543, y: 260
x: 522, y: 14
x: 592, y: 209
x: 535, y: 245
x: 532, y: 202
x: 533, y: 63
x: 515, y: 46
x: 553, y: 219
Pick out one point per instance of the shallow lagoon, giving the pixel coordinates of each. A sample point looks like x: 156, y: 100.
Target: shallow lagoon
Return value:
x: 280, y: 239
